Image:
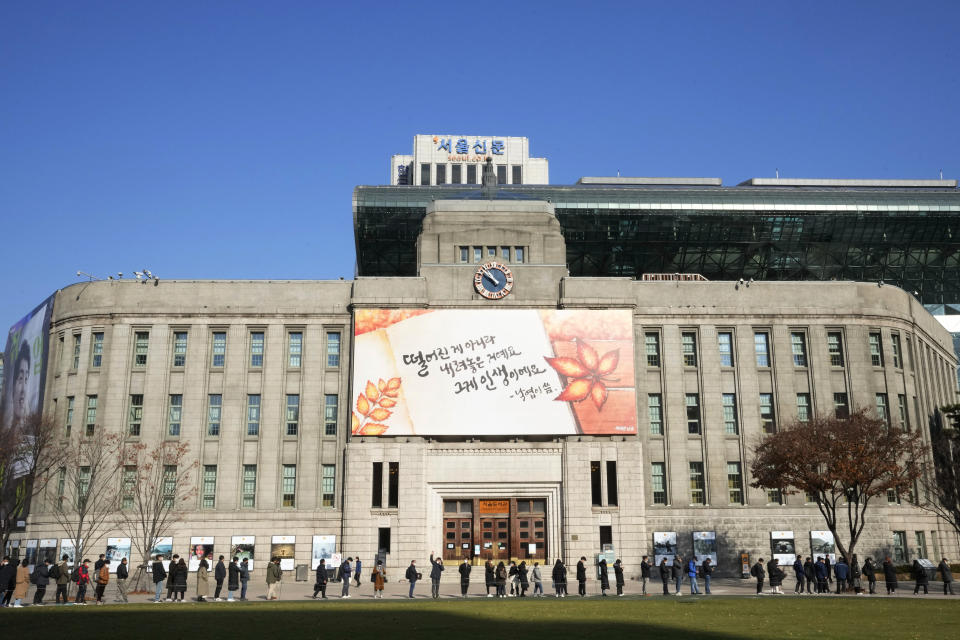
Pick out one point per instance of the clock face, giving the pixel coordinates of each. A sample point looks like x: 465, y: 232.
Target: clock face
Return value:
x: 493, y: 280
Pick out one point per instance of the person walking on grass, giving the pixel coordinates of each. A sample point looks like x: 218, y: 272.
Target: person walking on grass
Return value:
x: 379, y: 579
x: 920, y: 576
x: 103, y: 578
x: 665, y: 576
x: 244, y: 578
x: 890, y: 576
x: 559, y: 576
x: 219, y: 575
x: 41, y: 578
x: 644, y: 573
x: 412, y: 576
x: 436, y: 570
x: 233, y: 579
x: 537, y: 581
x: 320, y: 585
x: 203, y: 579
x: 758, y: 572
x: 345, y: 572
x: 618, y: 575
x: 274, y: 576
x: 706, y: 570
x: 946, y: 575
x: 582, y: 576
x: 21, y: 584
x: 464, y: 571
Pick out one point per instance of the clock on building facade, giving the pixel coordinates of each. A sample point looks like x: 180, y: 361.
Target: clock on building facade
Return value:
x: 493, y: 280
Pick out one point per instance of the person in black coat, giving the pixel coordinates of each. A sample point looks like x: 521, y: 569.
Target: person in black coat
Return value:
x: 171, y: 577
x: 644, y: 573
x: 809, y: 573
x: 320, y: 586
x: 412, y: 575
x: 604, y: 577
x: 219, y: 574
x: 41, y: 578
x: 870, y: 571
x: 464, y: 577
x: 582, y: 576
x: 501, y: 578
x: 559, y: 576
x: 618, y: 575
x: 159, y: 575
x: 676, y: 572
x: 945, y: 574
x: 180, y: 583
x: 523, y: 579
x: 920, y: 575
x: 665, y: 576
x: 890, y: 576
x: 775, y: 574
x: 8, y: 576
x: 435, y: 572
x: 706, y: 570
x: 233, y: 578
x: 757, y: 572
x: 489, y: 577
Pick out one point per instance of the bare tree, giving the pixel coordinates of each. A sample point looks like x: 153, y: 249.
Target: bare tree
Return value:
x: 941, y: 488
x: 30, y: 454
x: 88, y: 503
x: 155, y: 486
x: 841, y: 464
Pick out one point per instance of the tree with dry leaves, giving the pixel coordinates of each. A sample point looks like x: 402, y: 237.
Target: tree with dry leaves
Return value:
x: 156, y: 484
x: 86, y: 506
x: 841, y: 464
x: 941, y: 488
x: 30, y: 454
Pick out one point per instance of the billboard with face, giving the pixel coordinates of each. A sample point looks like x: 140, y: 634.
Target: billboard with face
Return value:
x: 460, y: 372
x: 25, y: 366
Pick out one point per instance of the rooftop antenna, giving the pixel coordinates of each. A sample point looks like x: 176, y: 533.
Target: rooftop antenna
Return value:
x: 778, y: 173
x: 941, y: 174
x: 618, y: 173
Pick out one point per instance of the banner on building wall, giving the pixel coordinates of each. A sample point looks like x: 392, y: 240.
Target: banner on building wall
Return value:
x: 25, y: 365
x: 705, y: 546
x: 783, y: 547
x: 162, y: 547
x: 117, y: 550
x: 30, y: 553
x: 48, y: 550
x: 243, y: 547
x: 199, y: 547
x: 69, y: 549
x: 283, y: 547
x: 823, y: 545
x: 323, y: 549
x: 664, y: 546
x: 493, y: 372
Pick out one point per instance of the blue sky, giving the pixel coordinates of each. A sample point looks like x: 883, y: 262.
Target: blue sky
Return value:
x: 223, y: 139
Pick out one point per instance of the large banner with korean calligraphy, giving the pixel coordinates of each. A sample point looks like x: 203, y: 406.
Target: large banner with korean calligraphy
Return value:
x: 462, y: 372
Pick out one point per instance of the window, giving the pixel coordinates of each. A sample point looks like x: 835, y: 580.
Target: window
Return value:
x: 67, y: 427
x: 383, y: 540
x: 517, y: 177
x: 798, y: 344
x: 654, y: 410
x: 840, y: 407
x: 734, y: 483
x: 456, y: 172
x: 83, y: 486
x: 810, y: 497
x: 477, y: 254
x: 803, y: 407
x: 393, y: 486
x: 179, y: 348
x: 472, y: 174
x: 441, y: 173
x: 330, y: 414
x: 693, y: 413
x: 174, y: 414
x: 725, y: 345
x: 376, y: 499
x: 900, y: 547
x: 328, y: 484
x: 289, y: 484
x: 491, y: 252
x: 214, y: 410
x: 611, y: 482
x: 696, y: 483
x: 256, y: 349
x: 293, y: 413
x: 730, y: 426
x: 169, y: 486
x: 595, y: 480
x: 652, y: 345
x: 141, y: 340
x: 518, y: 255
x: 904, y: 414
x: 876, y: 350
x: 893, y: 496
x: 219, y: 349
x: 253, y: 414
x: 895, y: 348
x: 501, y: 174
x: 91, y: 423
x: 883, y: 409
x: 209, y: 499
x: 464, y: 254
x: 249, y: 486
x: 76, y: 351
x: 425, y: 173
x: 333, y: 349
x: 505, y: 254
x: 96, y: 351
x: 688, y: 342
x: 129, y: 484
x: 294, y: 349
x: 136, y: 415
x: 921, y: 539
x: 658, y: 482
x: 774, y: 496
x: 767, y: 421
x: 835, y: 348
x: 761, y: 346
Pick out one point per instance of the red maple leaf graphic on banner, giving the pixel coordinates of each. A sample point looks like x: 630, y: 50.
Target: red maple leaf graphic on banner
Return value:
x: 586, y: 374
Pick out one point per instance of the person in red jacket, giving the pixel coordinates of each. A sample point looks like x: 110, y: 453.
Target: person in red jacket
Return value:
x: 83, y: 579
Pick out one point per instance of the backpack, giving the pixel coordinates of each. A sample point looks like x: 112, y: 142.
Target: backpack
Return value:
x: 75, y: 574
x: 753, y: 570
x: 54, y: 572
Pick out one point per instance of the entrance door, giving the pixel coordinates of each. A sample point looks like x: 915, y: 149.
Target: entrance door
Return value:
x: 495, y: 539
x: 457, y: 539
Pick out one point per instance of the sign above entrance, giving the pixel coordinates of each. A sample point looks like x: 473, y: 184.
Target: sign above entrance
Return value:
x: 494, y: 506
x: 460, y: 372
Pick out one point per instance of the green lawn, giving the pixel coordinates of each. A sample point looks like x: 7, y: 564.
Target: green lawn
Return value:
x: 715, y: 617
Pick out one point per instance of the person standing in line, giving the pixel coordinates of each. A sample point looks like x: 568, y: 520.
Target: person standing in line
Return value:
x: 244, y: 578
x: 665, y: 576
x: 822, y: 574
x: 920, y: 575
x: 489, y: 577
x: 618, y: 575
x: 233, y: 579
x: 356, y: 573
x: 379, y: 580
x: 464, y: 571
x: 582, y: 577
x: 101, y: 560
x: 203, y: 579
x: 501, y: 575
x: 436, y: 570
x: 122, y: 574
x: 41, y: 578
x: 537, y: 581
x: 870, y: 571
x: 809, y: 573
x: 706, y: 570
x: 841, y: 572
x: 604, y: 576
x: 514, y: 578
x: 412, y: 576
x: 775, y: 575
x: 644, y: 573
x: 890, y: 576
x: 559, y: 576
x: 826, y: 562
x: 103, y: 578
x: 798, y: 573
x: 219, y: 575
x: 63, y: 579
x: 854, y: 581
x: 83, y: 579
x: 159, y: 575
x: 345, y: 572
x: 275, y: 575
x: 172, y: 577
x: 758, y: 572
x: 946, y: 575
x: 523, y: 579
x: 320, y: 586
x: 21, y: 584
x: 181, y: 583
x: 692, y: 574
x: 8, y: 578
x: 676, y: 572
